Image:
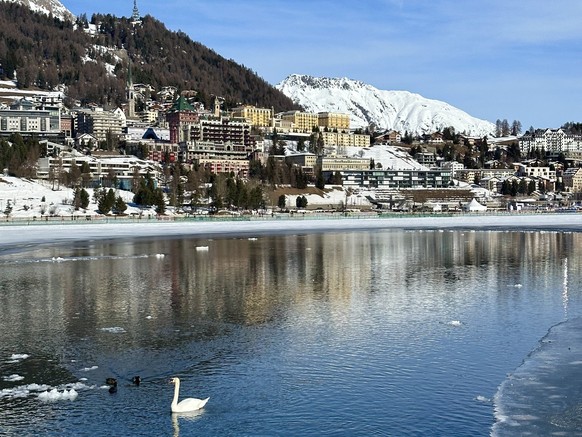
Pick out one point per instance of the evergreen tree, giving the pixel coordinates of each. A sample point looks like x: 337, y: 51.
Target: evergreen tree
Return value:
x: 119, y: 207
x: 8, y: 209
x: 298, y: 202
x: 281, y: 201
x: 319, y: 144
x: 106, y: 201
x: 256, y: 198
x: 531, y: 187
x: 145, y: 193
x: 81, y: 198
x: 159, y: 201
x: 515, y: 127
x: 514, y: 188
x: 319, y: 181
x: 505, y: 129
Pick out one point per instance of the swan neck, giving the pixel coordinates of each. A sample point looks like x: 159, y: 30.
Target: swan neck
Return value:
x: 176, y: 391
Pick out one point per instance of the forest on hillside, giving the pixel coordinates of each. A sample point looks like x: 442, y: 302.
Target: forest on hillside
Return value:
x: 44, y: 52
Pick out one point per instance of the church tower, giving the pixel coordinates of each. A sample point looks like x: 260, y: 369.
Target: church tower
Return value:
x: 135, y: 17
x: 130, y: 93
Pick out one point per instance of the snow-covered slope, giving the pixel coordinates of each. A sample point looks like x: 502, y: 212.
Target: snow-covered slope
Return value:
x: 399, y: 110
x: 47, y: 7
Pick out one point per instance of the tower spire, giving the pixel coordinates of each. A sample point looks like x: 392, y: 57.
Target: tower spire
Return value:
x: 135, y: 15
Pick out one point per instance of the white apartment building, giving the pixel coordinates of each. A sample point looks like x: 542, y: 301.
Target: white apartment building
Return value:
x: 536, y: 172
x: 27, y: 117
x: 552, y: 141
x: 100, y: 123
x: 124, y: 168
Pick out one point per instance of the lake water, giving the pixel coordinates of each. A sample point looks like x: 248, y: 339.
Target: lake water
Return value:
x: 389, y: 333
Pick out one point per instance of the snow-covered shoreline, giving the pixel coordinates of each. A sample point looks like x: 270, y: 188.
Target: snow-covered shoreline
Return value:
x: 16, y: 235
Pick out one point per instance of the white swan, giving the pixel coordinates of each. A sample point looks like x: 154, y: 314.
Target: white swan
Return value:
x: 185, y: 405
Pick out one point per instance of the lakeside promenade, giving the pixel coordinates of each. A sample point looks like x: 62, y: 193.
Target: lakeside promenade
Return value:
x: 16, y: 233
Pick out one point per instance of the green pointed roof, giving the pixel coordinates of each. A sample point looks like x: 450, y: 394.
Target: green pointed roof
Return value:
x: 182, y: 105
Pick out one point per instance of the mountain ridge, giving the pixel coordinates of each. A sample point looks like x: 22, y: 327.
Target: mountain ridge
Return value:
x: 90, y: 59
x: 47, y: 7
x: 403, y: 111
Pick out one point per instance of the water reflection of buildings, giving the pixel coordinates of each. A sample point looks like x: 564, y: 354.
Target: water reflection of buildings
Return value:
x: 251, y: 281
x: 255, y: 281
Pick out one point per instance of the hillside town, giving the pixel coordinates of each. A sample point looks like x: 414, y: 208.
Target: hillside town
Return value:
x: 123, y: 143
x: 162, y: 135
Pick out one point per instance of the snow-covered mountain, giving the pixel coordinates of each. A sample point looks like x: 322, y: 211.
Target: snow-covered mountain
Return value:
x: 47, y: 7
x: 399, y: 110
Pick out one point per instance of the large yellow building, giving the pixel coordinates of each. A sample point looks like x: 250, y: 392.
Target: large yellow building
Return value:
x: 345, y: 139
x: 259, y: 117
x: 300, y: 121
x: 334, y: 120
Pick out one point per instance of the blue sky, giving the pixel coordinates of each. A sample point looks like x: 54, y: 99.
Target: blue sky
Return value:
x: 495, y: 59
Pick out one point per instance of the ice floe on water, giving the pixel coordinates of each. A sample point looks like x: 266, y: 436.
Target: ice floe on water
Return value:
x: 19, y: 356
x: 114, y: 330
x: 15, y: 358
x: 56, y: 395
x: 543, y: 396
x: 89, y: 369
x: 201, y: 248
x: 45, y: 392
x: 13, y: 378
x: 455, y: 323
x: 22, y: 391
x: 483, y: 399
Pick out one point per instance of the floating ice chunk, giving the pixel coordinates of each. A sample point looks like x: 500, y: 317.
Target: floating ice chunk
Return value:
x: 13, y: 378
x: 201, y: 248
x: 15, y: 392
x: 483, y: 399
x: 88, y: 369
x: 19, y: 356
x: 160, y: 255
x: 518, y: 285
x: 252, y: 239
x: 70, y: 394
x: 455, y: 323
x: 37, y: 387
x: 55, y: 395
x: 48, y: 396
x: 114, y: 330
